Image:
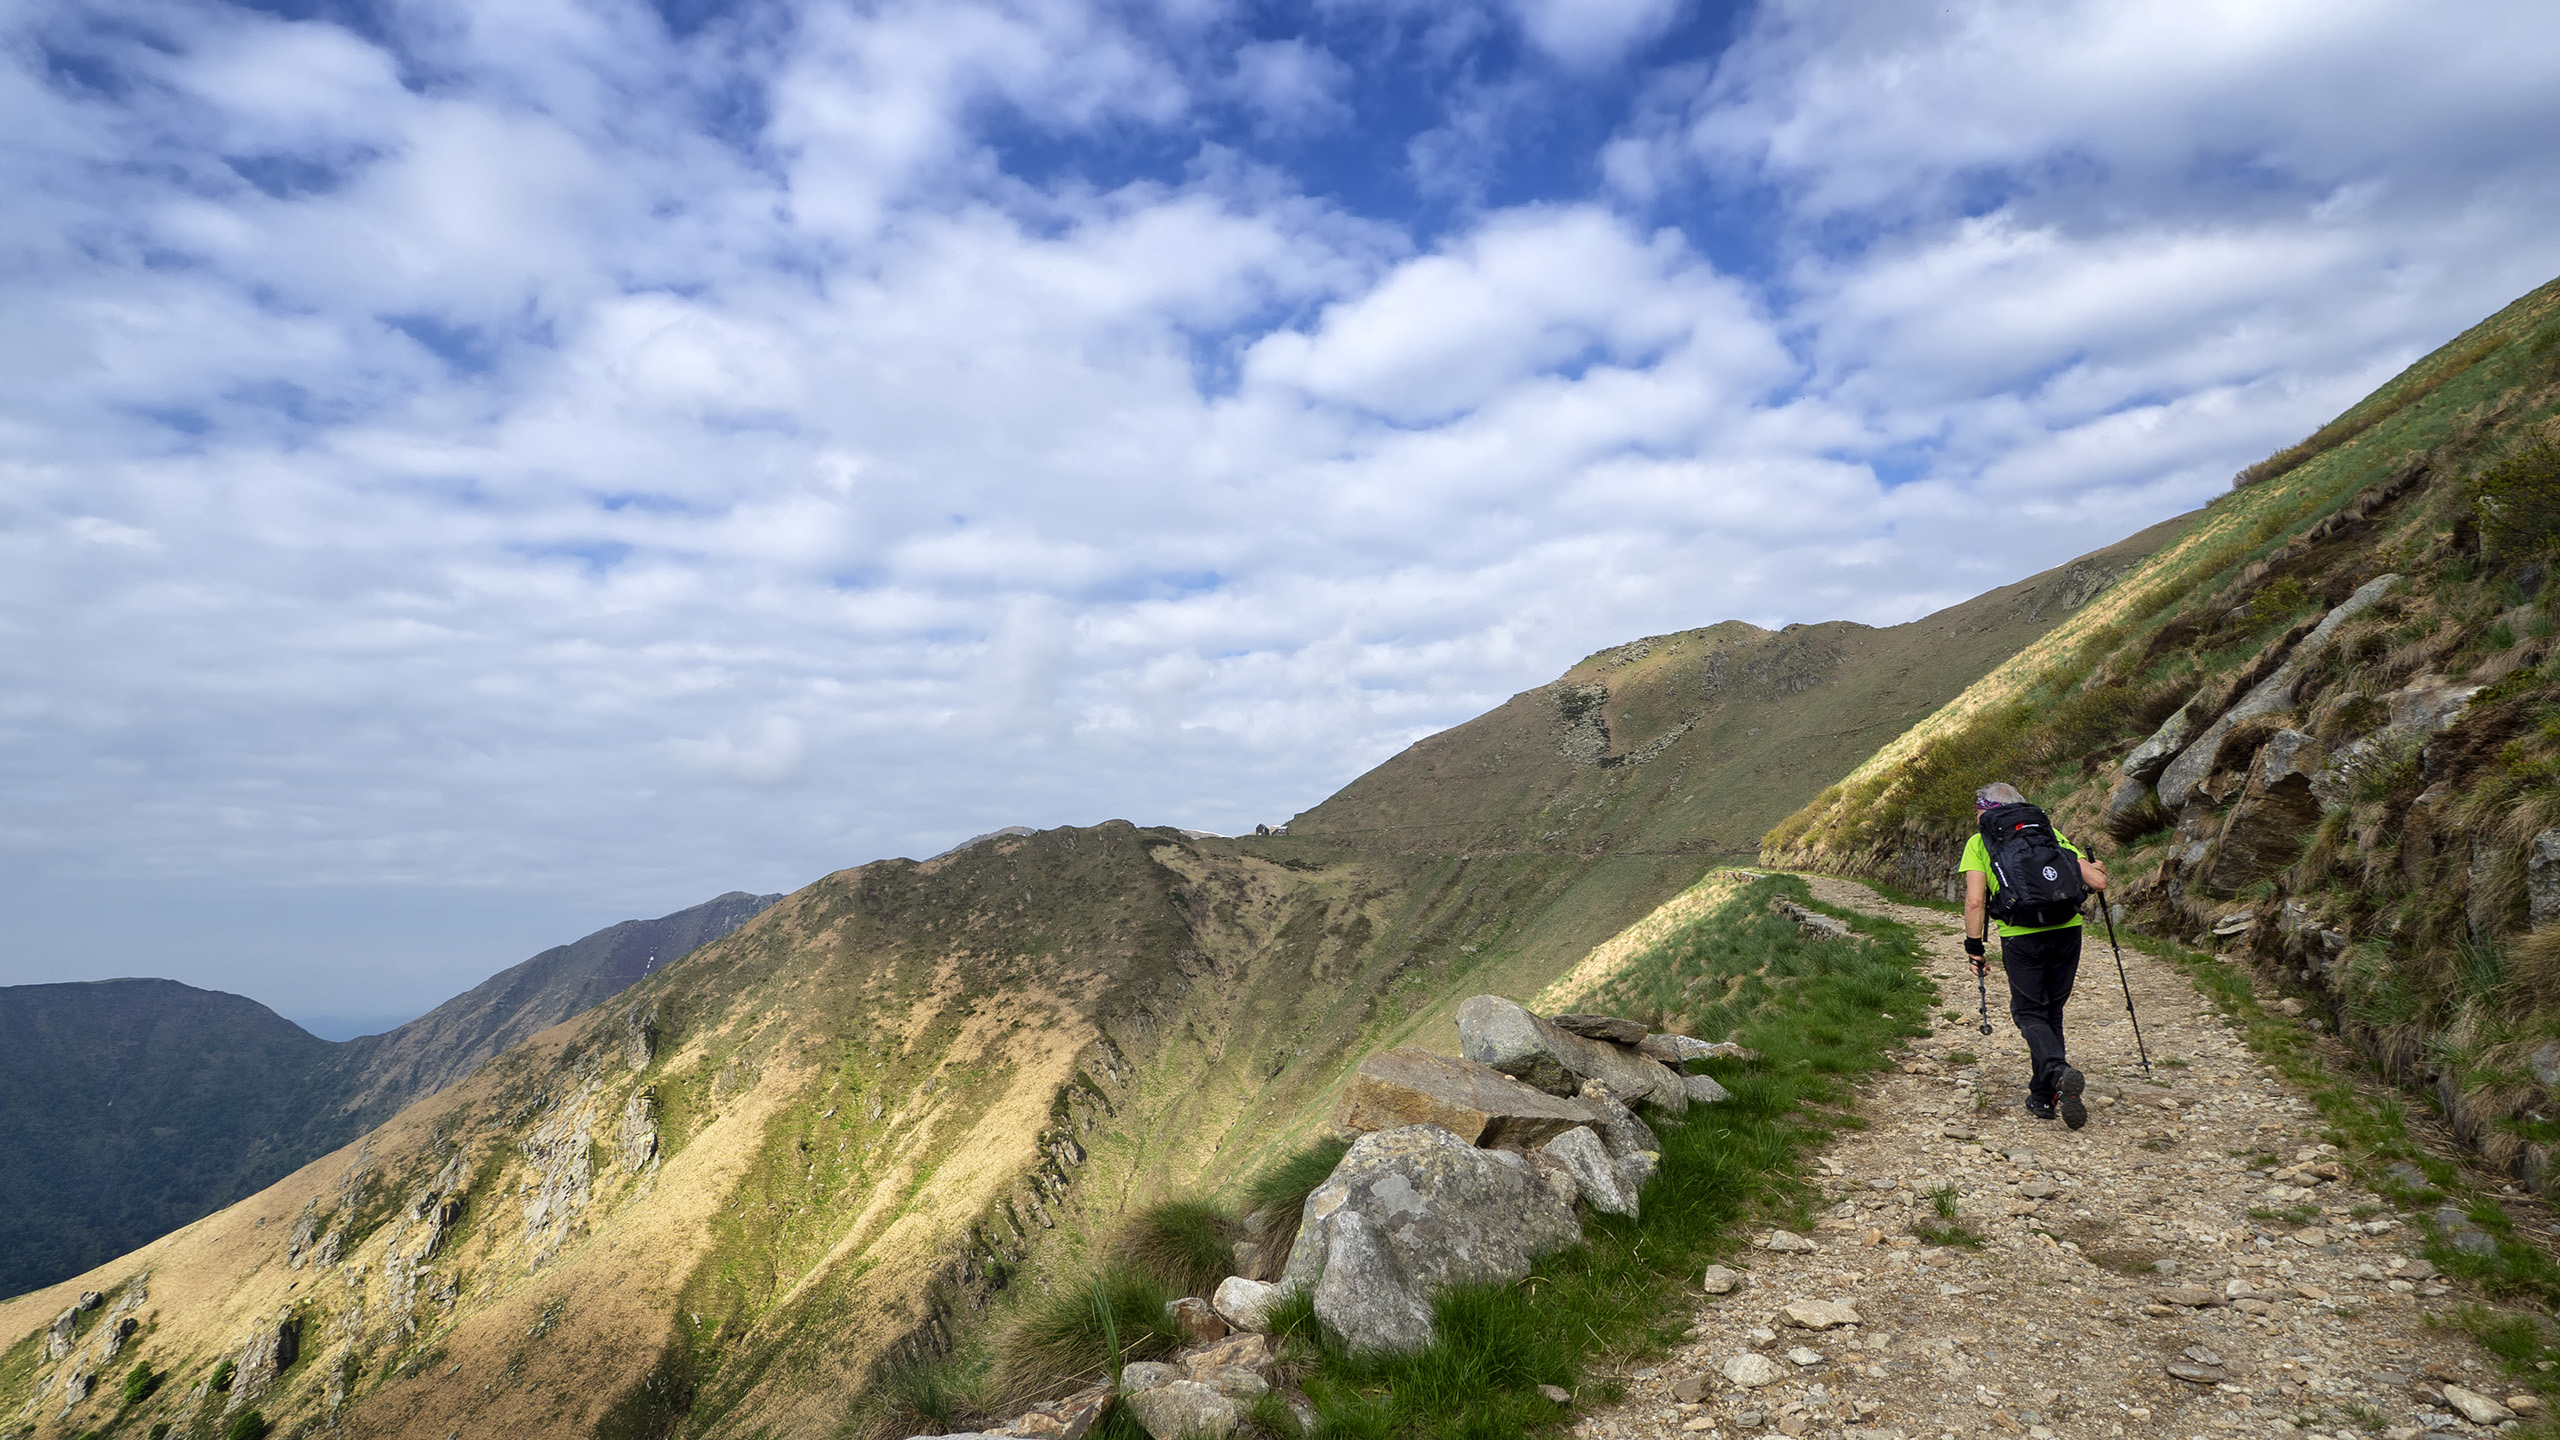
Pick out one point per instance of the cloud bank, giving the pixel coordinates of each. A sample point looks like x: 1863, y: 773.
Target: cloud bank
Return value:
x: 470, y: 472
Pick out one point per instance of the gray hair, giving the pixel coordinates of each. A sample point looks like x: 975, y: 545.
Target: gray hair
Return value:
x: 2000, y: 792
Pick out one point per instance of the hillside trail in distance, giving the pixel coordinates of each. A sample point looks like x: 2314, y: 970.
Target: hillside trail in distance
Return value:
x: 2106, y: 1256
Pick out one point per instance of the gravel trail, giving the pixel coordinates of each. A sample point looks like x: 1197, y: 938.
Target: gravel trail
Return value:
x: 2121, y: 1284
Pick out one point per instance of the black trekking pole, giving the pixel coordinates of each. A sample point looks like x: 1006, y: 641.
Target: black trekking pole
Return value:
x: 2138, y: 1048
x: 1982, y: 992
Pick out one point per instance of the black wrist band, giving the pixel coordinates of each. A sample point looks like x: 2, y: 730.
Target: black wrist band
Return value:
x: 1973, y: 947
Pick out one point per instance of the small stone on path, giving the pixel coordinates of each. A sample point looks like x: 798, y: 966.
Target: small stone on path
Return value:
x: 1719, y: 1280
x: 1819, y: 1314
x: 1752, y: 1371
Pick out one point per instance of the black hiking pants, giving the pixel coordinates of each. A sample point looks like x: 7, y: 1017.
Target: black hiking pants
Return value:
x: 2041, y: 968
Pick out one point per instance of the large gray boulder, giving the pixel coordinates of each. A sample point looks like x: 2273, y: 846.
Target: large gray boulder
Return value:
x: 2178, y: 781
x: 1409, y: 1213
x: 1473, y: 1101
x: 1505, y: 1035
x: 1595, y: 1172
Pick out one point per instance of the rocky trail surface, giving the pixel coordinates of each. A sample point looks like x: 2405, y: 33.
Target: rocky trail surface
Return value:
x: 2126, y: 1279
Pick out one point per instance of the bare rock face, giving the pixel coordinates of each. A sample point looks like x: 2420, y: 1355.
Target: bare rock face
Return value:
x: 637, y: 1137
x: 1405, y: 1215
x: 1501, y: 1033
x: 1601, y: 1027
x: 58, y: 1339
x: 1595, y: 1173
x: 2272, y: 819
x: 1475, y: 1102
x: 2181, y: 778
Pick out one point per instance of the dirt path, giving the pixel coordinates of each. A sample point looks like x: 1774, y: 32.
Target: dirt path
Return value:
x: 2107, y: 1256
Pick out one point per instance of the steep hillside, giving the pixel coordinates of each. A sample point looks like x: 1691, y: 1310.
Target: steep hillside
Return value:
x: 913, y: 1099
x: 450, y: 1041
x: 1696, y: 743
x: 130, y: 1107
x: 2324, y: 729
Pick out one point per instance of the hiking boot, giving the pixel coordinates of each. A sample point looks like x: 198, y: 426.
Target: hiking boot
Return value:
x: 2039, y: 1106
x: 2074, y: 1113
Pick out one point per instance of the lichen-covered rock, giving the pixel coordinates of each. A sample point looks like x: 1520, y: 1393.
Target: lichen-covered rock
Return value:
x: 1148, y: 1374
x: 1473, y: 1101
x: 1617, y: 1126
x: 1505, y: 1035
x: 2181, y: 778
x: 1407, y: 1214
x: 1595, y: 1172
x: 1249, y: 1350
x: 65, y: 1329
x: 1685, y: 1048
x: 1184, y: 1410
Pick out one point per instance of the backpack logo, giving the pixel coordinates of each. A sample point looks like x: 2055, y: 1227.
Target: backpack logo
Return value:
x: 2052, y: 874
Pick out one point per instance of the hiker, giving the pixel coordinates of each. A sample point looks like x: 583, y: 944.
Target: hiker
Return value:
x: 2039, y: 952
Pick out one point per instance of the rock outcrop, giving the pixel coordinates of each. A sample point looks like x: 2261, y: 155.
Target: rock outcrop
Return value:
x: 2273, y: 818
x: 2182, y: 777
x: 1475, y: 1102
x: 1407, y: 1214
x: 1505, y: 1035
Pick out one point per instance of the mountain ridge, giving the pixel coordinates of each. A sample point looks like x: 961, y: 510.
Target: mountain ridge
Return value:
x: 910, y: 1098
x: 226, y: 1096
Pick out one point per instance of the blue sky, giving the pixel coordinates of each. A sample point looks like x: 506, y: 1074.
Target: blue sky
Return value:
x: 472, y: 472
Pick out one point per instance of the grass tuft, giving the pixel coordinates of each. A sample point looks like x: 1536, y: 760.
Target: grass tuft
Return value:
x: 1279, y: 1194
x: 1183, y: 1244
x: 1080, y: 1333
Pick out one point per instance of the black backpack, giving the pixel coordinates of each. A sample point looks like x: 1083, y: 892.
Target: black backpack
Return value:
x: 2040, y: 881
